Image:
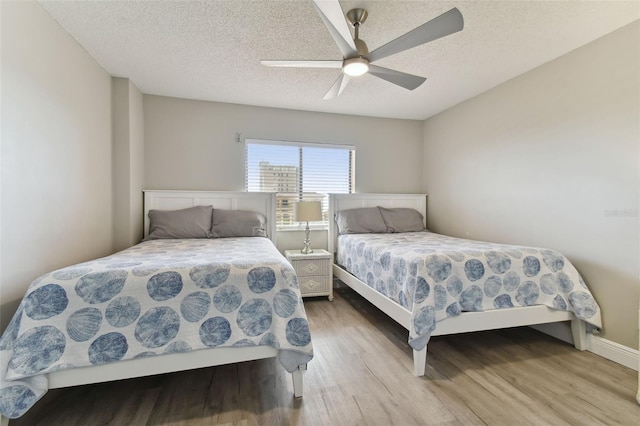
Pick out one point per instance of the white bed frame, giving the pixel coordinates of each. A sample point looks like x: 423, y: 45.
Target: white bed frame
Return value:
x: 467, y: 321
x: 169, y: 200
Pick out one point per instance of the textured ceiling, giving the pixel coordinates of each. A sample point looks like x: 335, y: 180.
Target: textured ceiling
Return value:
x: 210, y: 50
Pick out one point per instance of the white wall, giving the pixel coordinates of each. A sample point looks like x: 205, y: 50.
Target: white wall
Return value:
x: 56, y: 191
x: 128, y: 162
x: 191, y: 145
x: 550, y: 159
x: 136, y: 161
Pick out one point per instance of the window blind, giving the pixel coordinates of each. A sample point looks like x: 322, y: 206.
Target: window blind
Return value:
x: 298, y: 171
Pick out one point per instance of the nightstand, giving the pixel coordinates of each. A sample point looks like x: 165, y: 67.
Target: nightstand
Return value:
x: 314, y: 272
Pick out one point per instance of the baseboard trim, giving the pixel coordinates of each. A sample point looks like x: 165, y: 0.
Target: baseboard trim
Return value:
x: 605, y: 348
x: 615, y: 352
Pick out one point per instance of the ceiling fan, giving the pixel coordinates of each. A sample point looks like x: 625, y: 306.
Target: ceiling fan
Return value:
x: 357, y: 60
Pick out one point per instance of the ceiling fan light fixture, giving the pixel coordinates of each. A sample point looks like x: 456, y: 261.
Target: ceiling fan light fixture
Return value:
x: 355, y: 67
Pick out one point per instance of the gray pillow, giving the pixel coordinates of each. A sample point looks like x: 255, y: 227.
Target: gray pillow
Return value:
x: 238, y: 223
x: 193, y: 222
x: 402, y: 219
x: 365, y: 220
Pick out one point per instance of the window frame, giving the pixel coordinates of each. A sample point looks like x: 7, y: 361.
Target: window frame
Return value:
x: 324, y: 225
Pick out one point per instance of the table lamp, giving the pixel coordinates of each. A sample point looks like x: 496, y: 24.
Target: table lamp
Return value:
x: 307, y: 211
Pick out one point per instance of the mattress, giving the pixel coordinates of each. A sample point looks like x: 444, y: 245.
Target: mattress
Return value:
x: 158, y: 297
x: 436, y: 277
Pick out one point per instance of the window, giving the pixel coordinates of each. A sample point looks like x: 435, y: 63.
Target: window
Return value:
x: 298, y: 171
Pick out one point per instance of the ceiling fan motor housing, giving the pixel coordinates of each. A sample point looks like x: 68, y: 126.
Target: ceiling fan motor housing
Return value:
x: 361, y: 47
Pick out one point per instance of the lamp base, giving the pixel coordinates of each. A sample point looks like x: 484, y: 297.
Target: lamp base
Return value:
x: 307, y: 242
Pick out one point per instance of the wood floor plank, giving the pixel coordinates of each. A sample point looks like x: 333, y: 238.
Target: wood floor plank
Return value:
x: 362, y: 374
x: 140, y: 405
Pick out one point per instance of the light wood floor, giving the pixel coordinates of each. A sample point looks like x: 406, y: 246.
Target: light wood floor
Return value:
x: 362, y: 375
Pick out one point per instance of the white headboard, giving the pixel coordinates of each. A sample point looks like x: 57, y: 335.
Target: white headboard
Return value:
x: 339, y: 202
x: 262, y: 202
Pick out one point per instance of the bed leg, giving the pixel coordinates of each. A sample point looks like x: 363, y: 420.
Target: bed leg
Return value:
x: 298, y: 383
x: 4, y: 421
x: 419, y: 362
x: 579, y: 333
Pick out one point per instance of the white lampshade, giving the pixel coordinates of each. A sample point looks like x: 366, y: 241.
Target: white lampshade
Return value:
x: 307, y: 211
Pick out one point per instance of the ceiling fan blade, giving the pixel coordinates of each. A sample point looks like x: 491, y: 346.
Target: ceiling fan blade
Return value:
x: 337, y: 87
x: 448, y: 23
x: 333, y: 18
x: 303, y: 64
x: 408, y: 81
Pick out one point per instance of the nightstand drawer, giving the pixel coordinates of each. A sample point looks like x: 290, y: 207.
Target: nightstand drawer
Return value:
x: 311, y: 267
x: 318, y: 285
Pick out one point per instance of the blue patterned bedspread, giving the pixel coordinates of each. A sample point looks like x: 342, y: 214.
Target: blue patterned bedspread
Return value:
x: 158, y: 297
x: 436, y: 276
